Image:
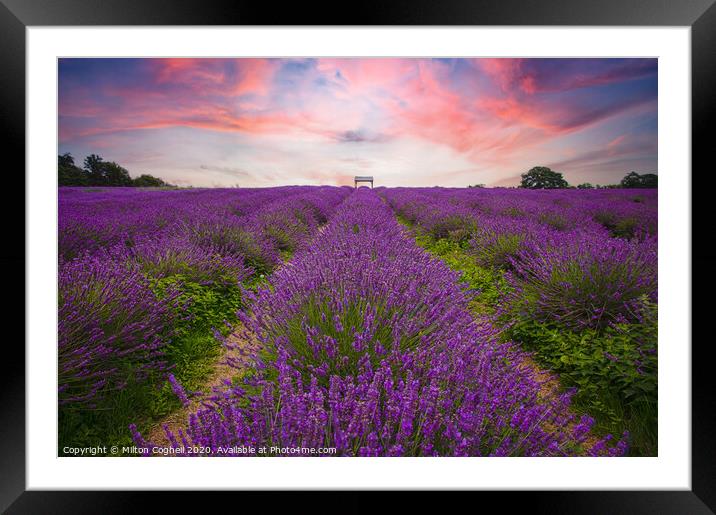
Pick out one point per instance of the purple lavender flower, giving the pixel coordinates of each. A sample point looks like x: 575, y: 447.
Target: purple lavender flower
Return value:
x: 178, y: 390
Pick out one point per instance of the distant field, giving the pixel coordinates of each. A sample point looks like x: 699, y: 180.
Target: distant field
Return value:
x: 370, y: 322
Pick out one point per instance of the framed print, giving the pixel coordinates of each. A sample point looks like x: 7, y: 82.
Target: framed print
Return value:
x: 419, y: 250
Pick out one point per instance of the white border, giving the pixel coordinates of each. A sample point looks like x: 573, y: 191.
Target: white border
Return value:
x: 671, y: 470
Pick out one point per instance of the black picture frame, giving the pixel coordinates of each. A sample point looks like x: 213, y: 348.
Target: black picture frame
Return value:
x: 17, y: 15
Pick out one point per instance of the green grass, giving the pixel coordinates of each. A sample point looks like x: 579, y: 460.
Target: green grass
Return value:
x: 614, y: 369
x: 141, y: 403
x: 488, y: 282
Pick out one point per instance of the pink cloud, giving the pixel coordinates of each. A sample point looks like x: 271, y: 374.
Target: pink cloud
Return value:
x: 526, y: 76
x: 491, y: 112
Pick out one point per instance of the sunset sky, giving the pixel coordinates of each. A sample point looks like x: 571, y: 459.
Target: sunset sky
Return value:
x: 408, y: 122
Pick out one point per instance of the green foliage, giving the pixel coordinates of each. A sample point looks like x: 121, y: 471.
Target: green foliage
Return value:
x: 148, y: 181
x: 98, y: 172
x: 607, y: 218
x: 619, y: 228
x: 555, y: 220
x: 541, y: 178
x: 206, y: 305
x: 455, y: 228
x: 585, y: 186
x: 68, y: 174
x: 488, y: 282
x: 194, y: 356
x: 635, y: 180
x: 514, y: 212
x: 614, y: 370
x: 625, y: 228
x: 497, y: 254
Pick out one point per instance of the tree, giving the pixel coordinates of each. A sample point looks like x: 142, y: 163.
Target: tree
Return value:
x: 148, y: 181
x: 476, y: 185
x: 634, y: 180
x: 542, y: 178
x: 66, y: 160
x: 115, y: 175
x: 68, y: 174
x: 585, y: 186
x: 105, y: 173
x: 649, y: 180
x: 93, y: 166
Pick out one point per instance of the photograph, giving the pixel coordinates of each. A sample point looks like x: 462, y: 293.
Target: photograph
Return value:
x: 454, y: 247
x: 357, y: 257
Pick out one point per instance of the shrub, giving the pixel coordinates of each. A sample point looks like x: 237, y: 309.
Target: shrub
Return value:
x: 514, y: 212
x: 621, y: 359
x: 607, y: 218
x: 615, y: 372
x: 232, y: 240
x: 497, y: 250
x: 172, y: 256
x: 586, y: 282
x: 453, y: 227
x: 557, y: 221
x: 111, y: 331
x: 626, y: 227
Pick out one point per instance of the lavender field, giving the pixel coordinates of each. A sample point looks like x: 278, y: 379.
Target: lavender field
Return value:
x: 358, y: 322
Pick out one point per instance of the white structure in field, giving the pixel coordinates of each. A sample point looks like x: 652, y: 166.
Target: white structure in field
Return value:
x: 362, y: 178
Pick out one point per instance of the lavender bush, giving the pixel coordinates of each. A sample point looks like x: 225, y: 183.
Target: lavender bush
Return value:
x: 584, y: 281
x: 111, y: 329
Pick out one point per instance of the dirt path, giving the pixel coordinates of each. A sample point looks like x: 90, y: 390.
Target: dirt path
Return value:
x: 239, y: 340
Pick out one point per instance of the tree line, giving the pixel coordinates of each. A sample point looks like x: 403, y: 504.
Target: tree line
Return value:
x: 543, y: 178
x: 98, y: 172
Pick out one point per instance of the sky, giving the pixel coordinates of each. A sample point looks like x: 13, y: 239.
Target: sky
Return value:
x: 407, y: 122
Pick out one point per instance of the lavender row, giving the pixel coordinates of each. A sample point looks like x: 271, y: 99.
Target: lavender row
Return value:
x: 367, y: 345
